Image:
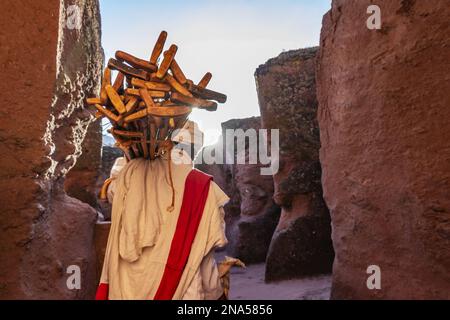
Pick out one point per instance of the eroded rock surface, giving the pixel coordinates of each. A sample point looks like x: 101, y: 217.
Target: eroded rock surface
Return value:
x: 301, y: 244
x: 81, y: 181
x: 384, y: 117
x: 109, y: 156
x: 251, y: 215
x: 46, y: 68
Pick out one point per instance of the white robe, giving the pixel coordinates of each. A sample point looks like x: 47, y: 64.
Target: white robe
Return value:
x: 142, y: 230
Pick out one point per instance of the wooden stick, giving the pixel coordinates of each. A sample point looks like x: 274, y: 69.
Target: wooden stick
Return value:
x: 150, y: 85
x: 105, y: 81
x: 157, y: 86
x: 164, y: 129
x: 104, y: 190
x: 153, y: 78
x: 153, y: 94
x: 127, y: 98
x: 177, y: 86
x: 177, y: 72
x: 128, y: 81
x: 207, y: 94
x: 119, y: 140
x: 158, y: 48
x: 152, y: 147
x: 129, y: 71
x: 158, y: 94
x: 139, y: 148
x: 106, y: 76
x: 115, y: 99
x: 129, y: 134
x: 93, y: 101
x: 157, y: 120
x: 168, y: 103
x: 152, y: 102
x: 169, y: 111
x: 148, y: 100
x: 132, y: 104
x: 123, y: 145
x: 193, y: 102
x: 118, y: 82
x: 205, y: 80
x: 98, y: 115
x: 136, y: 82
x: 165, y: 64
x: 144, y: 144
x: 126, y: 152
x: 135, y: 150
x: 132, y: 92
x: 107, y: 113
x: 135, y: 62
x: 135, y: 116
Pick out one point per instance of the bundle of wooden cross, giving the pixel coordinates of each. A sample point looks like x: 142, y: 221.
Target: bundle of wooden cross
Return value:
x: 148, y: 101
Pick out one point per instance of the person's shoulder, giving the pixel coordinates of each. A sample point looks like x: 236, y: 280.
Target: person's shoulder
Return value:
x: 200, y: 174
x: 216, y: 194
x: 117, y: 167
x: 220, y: 196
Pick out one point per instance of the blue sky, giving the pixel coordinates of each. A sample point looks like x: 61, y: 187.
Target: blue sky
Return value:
x: 229, y: 38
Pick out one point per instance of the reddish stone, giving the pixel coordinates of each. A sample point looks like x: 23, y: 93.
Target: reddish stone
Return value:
x: 81, y: 180
x: 43, y: 123
x: 301, y: 244
x: 251, y: 215
x: 384, y: 117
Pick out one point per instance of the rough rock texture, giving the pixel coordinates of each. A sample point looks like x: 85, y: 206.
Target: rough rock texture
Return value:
x: 384, y: 117
x: 81, y: 180
x: 46, y: 67
x: 251, y: 215
x: 109, y: 155
x: 301, y: 244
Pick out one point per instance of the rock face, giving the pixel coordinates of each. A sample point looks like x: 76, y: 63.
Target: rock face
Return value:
x: 384, y: 117
x: 109, y: 155
x: 81, y: 180
x: 251, y: 215
x: 301, y: 244
x: 46, y: 68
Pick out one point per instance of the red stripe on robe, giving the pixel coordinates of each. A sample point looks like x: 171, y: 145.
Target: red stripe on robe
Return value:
x: 196, y: 190
x: 194, y: 198
x: 102, y: 292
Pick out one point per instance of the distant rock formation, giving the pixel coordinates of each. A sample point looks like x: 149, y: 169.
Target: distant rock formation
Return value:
x: 384, y: 120
x: 251, y: 215
x: 46, y: 235
x: 301, y: 244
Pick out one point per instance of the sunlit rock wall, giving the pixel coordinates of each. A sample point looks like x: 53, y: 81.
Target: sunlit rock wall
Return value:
x: 384, y: 120
x: 48, y: 61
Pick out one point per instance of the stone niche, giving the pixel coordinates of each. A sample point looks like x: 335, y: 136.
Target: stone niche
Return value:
x: 384, y: 119
x: 301, y: 245
x: 48, y: 65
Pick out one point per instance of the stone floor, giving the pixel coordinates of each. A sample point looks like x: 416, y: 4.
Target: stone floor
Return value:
x: 248, y: 284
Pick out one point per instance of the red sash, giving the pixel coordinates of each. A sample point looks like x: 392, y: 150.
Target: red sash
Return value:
x: 194, y: 198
